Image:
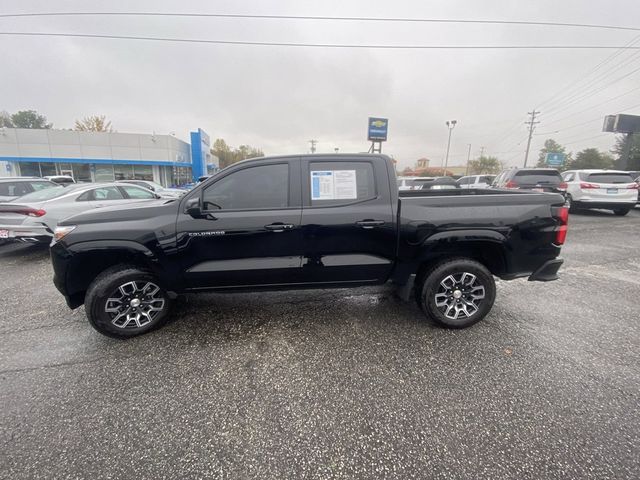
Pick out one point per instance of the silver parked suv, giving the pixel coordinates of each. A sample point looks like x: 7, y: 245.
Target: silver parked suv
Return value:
x: 608, y: 189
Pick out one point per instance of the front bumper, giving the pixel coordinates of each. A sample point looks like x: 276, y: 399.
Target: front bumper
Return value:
x: 28, y: 233
x: 547, y: 272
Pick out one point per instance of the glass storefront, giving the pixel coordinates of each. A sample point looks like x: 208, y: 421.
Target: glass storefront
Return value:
x: 123, y: 172
x: 89, y: 172
x: 143, y: 172
x: 104, y: 173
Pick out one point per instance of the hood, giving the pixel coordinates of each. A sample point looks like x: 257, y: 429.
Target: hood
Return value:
x: 122, y: 213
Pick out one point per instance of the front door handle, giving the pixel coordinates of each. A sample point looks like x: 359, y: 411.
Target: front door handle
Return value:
x: 279, y: 227
x: 368, y: 224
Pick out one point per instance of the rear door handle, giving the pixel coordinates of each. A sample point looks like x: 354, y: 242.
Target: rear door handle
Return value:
x: 279, y: 227
x: 368, y: 224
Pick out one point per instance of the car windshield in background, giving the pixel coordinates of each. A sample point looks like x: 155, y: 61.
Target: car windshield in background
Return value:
x: 608, y: 178
x: 42, y: 195
x: 538, y: 176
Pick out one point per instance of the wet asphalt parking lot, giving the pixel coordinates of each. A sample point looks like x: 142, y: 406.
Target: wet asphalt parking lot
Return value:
x: 333, y: 383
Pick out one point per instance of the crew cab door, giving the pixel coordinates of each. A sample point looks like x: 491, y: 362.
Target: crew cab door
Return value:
x: 248, y: 233
x: 348, y: 224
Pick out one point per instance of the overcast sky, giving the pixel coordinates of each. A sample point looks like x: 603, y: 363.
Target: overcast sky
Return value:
x: 277, y: 98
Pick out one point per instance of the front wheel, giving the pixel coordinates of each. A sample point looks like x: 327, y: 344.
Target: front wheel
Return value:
x: 621, y: 212
x: 458, y: 293
x: 125, y: 301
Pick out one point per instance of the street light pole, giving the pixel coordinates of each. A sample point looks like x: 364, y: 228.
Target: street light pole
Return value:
x: 468, y: 160
x: 450, y: 125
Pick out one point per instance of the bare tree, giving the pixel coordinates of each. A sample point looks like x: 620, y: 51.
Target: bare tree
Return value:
x: 93, y: 123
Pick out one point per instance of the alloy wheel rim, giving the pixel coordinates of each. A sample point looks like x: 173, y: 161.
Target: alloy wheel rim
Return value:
x: 459, y: 295
x: 135, y: 304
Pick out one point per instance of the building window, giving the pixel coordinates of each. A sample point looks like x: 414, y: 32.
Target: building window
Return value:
x: 143, y: 172
x: 47, y: 168
x: 104, y: 173
x: 123, y: 172
x: 29, y: 169
x: 81, y: 172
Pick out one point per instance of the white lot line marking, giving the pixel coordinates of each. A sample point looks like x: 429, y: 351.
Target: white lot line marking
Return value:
x: 604, y: 271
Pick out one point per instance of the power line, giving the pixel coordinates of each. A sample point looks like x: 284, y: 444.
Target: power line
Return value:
x: 573, y: 99
x: 323, y: 18
x: 319, y: 45
x: 594, y: 69
x: 593, y: 106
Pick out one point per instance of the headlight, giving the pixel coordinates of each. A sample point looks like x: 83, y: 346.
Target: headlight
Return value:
x: 62, y: 231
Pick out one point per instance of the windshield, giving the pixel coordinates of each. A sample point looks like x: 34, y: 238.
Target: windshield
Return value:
x: 41, y: 195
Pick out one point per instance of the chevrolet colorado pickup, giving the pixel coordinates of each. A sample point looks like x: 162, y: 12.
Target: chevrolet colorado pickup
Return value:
x: 306, y: 221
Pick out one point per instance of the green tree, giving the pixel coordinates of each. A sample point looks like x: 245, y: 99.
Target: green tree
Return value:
x: 485, y: 165
x: 93, y: 123
x: 591, y: 158
x: 634, y: 152
x: 228, y: 155
x: 551, y: 146
x: 29, y: 119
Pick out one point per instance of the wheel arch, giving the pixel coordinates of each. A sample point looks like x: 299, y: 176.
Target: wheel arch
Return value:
x: 90, y: 259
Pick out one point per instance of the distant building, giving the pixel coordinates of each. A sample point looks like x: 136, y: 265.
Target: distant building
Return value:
x: 105, y: 156
x: 421, y: 163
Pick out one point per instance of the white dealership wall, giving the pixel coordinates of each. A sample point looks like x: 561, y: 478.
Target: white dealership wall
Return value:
x: 18, y: 145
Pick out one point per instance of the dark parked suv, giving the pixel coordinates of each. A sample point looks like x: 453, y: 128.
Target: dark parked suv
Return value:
x: 536, y: 179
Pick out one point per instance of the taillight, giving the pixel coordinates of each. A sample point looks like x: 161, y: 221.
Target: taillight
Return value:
x: 587, y: 186
x: 31, y: 212
x: 634, y: 186
x: 562, y: 215
x: 562, y: 186
x: 511, y: 184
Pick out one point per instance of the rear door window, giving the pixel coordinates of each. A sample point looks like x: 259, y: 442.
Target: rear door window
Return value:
x: 135, y: 192
x: 535, y: 177
x: 606, y: 177
x: 14, y: 189
x: 339, y: 183
x: 106, y: 193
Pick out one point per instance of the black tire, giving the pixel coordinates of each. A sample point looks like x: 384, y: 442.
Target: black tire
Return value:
x: 621, y: 212
x: 572, y: 206
x: 126, y: 320
x: 468, y: 310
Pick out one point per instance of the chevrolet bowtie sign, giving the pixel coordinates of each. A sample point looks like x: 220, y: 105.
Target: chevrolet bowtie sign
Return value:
x: 377, y: 131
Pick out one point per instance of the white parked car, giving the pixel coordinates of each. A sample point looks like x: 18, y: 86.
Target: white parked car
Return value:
x: 34, y: 217
x: 609, y: 189
x: 475, y: 181
x: 412, y: 183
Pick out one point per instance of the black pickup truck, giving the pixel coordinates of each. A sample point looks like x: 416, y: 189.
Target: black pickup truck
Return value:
x: 306, y: 221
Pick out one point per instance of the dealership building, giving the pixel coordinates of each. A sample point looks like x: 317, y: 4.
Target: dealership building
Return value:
x: 105, y: 156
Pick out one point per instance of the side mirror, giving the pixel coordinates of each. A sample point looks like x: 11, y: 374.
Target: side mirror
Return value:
x: 192, y: 207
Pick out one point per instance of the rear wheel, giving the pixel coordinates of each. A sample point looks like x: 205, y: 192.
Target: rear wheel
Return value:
x: 457, y: 293
x: 621, y: 212
x: 570, y: 204
x: 125, y: 301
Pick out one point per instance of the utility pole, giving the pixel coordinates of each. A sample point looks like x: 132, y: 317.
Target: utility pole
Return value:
x: 481, y: 152
x: 450, y: 125
x: 468, y: 159
x: 532, y: 123
x: 313, y: 145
